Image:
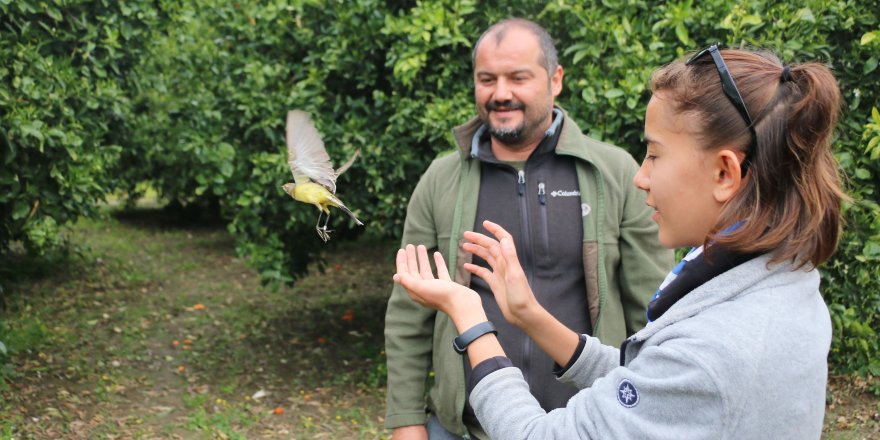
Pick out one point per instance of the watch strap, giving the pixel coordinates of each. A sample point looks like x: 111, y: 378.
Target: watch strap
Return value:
x: 461, y: 342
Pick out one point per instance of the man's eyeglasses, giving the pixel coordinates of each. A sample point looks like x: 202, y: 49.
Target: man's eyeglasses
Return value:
x: 731, y: 91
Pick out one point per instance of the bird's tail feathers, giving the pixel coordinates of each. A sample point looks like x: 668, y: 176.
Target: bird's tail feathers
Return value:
x: 338, y: 203
x: 350, y: 214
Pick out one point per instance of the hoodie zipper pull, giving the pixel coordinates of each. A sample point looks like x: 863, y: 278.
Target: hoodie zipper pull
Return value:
x: 521, y: 182
x: 542, y: 193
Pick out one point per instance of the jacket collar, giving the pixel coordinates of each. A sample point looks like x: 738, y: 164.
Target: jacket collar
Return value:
x: 570, y: 141
x: 742, y: 280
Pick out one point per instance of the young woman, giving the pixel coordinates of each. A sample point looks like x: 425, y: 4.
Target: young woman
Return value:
x: 739, y: 166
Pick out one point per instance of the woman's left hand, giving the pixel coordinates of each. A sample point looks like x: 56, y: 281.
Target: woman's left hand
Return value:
x: 441, y: 293
x: 506, y: 279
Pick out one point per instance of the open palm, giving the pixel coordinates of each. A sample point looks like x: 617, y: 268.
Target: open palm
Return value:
x: 415, y: 275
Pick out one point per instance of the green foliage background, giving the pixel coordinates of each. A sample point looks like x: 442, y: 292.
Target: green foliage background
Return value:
x: 189, y: 98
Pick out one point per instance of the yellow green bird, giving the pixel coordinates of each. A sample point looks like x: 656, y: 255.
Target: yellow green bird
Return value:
x: 313, y: 174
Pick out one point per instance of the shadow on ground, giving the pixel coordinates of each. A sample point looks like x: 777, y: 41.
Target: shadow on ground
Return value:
x: 172, y: 216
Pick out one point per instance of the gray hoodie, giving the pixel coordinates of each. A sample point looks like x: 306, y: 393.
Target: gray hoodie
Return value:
x: 741, y: 357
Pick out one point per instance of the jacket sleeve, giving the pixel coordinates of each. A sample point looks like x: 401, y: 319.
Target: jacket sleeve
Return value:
x: 662, y: 394
x: 409, y: 327
x: 644, y: 262
x: 594, y: 361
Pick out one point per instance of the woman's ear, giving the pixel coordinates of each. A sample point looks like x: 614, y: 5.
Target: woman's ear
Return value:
x: 727, y: 178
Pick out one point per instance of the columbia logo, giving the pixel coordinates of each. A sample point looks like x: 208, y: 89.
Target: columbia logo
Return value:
x: 566, y: 193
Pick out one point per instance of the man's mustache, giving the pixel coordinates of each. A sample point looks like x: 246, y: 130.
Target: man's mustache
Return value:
x: 504, y: 105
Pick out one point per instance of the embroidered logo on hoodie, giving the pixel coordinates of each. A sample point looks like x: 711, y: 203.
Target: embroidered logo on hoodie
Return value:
x: 585, y: 209
x: 627, y: 394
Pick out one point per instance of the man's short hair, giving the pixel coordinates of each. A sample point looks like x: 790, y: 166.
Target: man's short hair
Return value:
x: 548, y: 57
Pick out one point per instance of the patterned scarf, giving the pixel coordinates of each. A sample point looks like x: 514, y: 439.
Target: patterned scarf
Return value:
x: 691, y: 272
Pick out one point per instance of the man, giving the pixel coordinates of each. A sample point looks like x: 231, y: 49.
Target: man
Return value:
x: 582, y: 230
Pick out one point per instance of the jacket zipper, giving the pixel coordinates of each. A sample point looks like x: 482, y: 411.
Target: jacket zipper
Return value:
x: 521, y: 182
x: 545, y: 227
x: 542, y: 193
x: 527, y: 257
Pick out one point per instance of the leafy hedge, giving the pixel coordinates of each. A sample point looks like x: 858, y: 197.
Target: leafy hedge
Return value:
x: 192, y: 97
x: 63, y: 94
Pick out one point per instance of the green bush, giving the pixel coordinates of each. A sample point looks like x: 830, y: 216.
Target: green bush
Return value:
x: 850, y: 279
x: 63, y: 98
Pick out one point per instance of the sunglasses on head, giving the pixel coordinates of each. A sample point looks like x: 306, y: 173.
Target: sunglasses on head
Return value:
x: 729, y: 87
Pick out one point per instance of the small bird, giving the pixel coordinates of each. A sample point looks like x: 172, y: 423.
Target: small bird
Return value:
x: 313, y: 174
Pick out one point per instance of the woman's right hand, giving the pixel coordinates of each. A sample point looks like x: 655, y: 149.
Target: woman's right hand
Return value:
x: 414, y: 273
x: 507, y: 278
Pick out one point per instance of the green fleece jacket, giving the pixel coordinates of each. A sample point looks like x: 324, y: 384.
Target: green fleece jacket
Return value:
x: 623, y: 265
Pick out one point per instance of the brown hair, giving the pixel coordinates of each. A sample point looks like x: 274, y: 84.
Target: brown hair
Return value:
x: 791, y: 195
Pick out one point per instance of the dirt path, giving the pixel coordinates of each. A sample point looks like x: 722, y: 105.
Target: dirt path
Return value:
x: 162, y: 333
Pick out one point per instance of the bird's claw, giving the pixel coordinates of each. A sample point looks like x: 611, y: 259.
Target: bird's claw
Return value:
x: 323, y: 232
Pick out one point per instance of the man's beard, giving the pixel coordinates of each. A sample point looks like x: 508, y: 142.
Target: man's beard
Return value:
x: 510, y: 136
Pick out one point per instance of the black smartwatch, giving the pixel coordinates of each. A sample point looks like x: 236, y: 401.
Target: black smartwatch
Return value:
x: 461, y: 342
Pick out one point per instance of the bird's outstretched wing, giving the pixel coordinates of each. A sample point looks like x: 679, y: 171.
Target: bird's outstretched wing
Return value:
x: 305, y: 152
x: 347, y: 164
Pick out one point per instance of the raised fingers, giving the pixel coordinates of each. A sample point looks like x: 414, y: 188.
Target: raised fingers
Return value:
x: 403, y: 275
x: 424, y: 264
x: 496, y: 230
x: 479, y: 251
x: 412, y: 262
x: 400, y: 262
x: 483, y: 246
x: 480, y: 239
x: 487, y: 275
x: 442, y: 271
x: 511, y: 261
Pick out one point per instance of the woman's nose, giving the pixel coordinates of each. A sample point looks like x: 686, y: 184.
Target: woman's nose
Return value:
x: 641, y: 180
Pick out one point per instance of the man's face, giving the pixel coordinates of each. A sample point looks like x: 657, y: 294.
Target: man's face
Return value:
x: 514, y: 95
